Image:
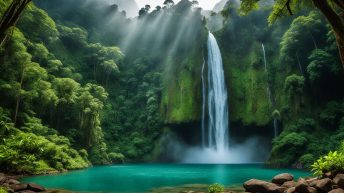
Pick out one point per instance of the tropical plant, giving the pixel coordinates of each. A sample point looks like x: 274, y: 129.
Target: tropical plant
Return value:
x: 332, y: 162
x: 216, y: 188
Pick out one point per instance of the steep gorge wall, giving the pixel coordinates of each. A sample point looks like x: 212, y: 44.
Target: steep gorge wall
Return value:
x: 246, y: 78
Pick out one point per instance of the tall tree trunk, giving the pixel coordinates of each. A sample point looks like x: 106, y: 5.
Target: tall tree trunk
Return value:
x: 336, y: 21
x: 10, y: 17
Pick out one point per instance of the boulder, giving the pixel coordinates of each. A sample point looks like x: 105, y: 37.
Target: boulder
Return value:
x: 9, y: 190
x: 12, y: 181
x: 339, y: 180
x: 260, y: 186
x: 38, y: 188
x: 338, y: 190
x: 312, y: 190
x: 311, y: 181
x: 324, y: 184
x: 27, y: 191
x: 3, y: 178
x: 281, y: 178
x: 301, y: 186
x: 5, y: 185
x: 289, y: 184
x: 18, y: 187
x: 290, y: 190
x: 328, y: 175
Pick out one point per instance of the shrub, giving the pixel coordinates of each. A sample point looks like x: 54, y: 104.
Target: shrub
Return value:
x: 28, y: 153
x: 3, y: 190
x: 332, y: 162
x: 215, y: 188
x: 307, y: 160
x: 116, y: 157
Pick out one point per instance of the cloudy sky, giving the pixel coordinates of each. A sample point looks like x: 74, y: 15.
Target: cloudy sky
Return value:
x: 205, y: 4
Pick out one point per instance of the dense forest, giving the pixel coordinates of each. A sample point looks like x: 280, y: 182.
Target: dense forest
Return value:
x: 83, y: 84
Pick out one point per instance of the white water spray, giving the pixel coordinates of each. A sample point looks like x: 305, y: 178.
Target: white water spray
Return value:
x: 203, y: 105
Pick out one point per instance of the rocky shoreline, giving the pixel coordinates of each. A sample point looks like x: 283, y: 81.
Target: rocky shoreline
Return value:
x: 285, y: 183
x: 12, y: 185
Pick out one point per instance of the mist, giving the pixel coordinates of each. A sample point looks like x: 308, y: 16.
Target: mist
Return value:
x: 252, y: 150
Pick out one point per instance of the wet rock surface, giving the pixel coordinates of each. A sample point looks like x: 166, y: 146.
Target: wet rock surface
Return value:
x: 12, y: 185
x: 327, y: 184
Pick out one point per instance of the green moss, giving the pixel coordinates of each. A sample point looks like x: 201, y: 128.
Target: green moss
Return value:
x: 42, y: 167
x: 247, y: 88
x: 181, y: 95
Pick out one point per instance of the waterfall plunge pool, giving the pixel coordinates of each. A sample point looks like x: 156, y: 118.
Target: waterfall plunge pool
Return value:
x: 146, y: 177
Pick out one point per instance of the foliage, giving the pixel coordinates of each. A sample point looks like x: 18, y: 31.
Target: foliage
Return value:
x: 332, y: 162
x: 3, y: 190
x: 287, y: 147
x: 306, y: 160
x: 216, y: 188
x: 332, y: 114
x: 303, y: 35
x: 28, y: 153
x: 116, y: 157
x: 294, y: 85
x: 322, y: 68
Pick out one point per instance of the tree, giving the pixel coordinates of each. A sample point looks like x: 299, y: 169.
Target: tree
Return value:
x: 106, y: 58
x: 195, y: 3
x: 147, y: 7
x: 294, y: 87
x: 331, y: 9
x: 109, y: 66
x: 321, y: 66
x: 303, y: 36
x: 168, y: 3
x: 10, y: 17
x: 143, y: 11
x: 158, y: 8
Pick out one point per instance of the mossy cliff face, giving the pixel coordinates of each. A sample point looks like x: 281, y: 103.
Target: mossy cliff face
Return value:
x: 247, y: 86
x: 182, y: 95
x: 247, y: 81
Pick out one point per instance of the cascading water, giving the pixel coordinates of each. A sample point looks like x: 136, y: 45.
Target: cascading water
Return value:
x: 275, y: 122
x: 203, y: 105
x: 215, y: 147
x: 266, y: 71
x: 218, y: 129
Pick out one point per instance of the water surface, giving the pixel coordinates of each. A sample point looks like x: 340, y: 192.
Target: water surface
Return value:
x: 145, y: 177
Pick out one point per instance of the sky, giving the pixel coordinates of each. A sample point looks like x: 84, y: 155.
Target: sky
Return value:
x: 205, y: 4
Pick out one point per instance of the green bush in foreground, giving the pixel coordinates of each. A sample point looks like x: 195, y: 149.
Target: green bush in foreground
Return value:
x: 3, y: 190
x: 215, y: 188
x: 332, y: 162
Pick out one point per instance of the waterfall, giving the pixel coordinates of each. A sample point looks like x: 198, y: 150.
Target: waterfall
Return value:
x: 215, y: 146
x: 275, y: 122
x: 266, y: 71
x: 218, y: 128
x: 203, y: 105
